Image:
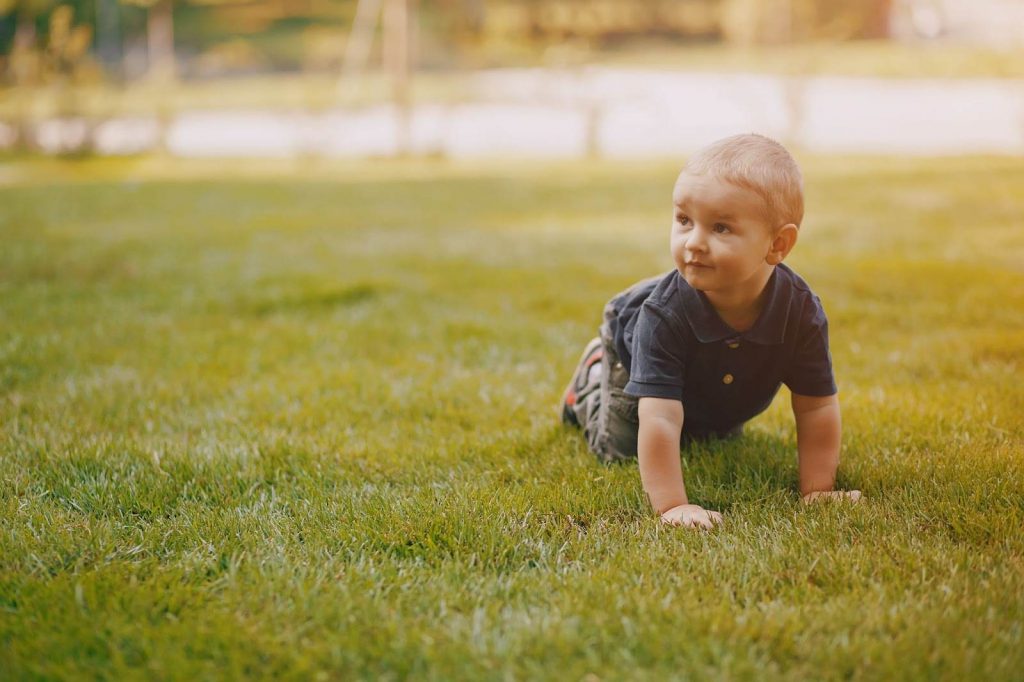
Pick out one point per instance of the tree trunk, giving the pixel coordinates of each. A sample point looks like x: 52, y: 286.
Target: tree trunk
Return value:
x: 396, y: 60
x: 360, y: 37
x: 25, y: 32
x: 160, y: 36
x: 108, y: 35
x: 25, y: 71
x: 877, y: 24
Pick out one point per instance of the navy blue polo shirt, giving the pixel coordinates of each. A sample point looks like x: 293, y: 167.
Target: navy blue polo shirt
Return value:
x: 676, y: 346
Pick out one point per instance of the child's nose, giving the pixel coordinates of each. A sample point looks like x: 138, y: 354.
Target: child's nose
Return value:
x: 696, y: 240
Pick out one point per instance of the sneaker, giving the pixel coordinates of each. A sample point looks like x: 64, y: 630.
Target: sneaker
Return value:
x: 591, y: 354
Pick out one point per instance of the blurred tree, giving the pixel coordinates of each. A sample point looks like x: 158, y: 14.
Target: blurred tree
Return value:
x: 25, y: 60
x: 596, y: 22
x: 603, y: 22
x: 68, y: 44
x: 159, y: 37
x: 759, y: 22
x: 63, y: 61
x: 360, y: 37
x: 397, y: 18
x: 108, y: 33
x: 397, y: 55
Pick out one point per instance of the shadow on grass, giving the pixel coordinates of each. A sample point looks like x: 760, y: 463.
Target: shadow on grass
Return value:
x: 314, y: 300
x: 720, y: 473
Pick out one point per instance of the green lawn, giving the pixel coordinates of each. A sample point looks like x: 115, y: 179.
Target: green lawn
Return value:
x: 300, y: 423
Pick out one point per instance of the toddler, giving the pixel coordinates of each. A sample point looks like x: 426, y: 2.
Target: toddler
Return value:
x: 698, y: 351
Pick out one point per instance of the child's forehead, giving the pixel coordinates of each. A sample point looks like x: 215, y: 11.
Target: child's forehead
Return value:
x: 714, y: 193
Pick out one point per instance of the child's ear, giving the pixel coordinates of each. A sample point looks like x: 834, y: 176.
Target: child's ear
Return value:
x: 782, y: 243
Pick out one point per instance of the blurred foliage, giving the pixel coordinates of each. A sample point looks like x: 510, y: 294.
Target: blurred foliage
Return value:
x: 62, y: 65
x: 233, y: 36
x: 68, y: 44
x: 760, y: 22
x: 60, y: 54
x: 22, y: 60
x: 608, y: 22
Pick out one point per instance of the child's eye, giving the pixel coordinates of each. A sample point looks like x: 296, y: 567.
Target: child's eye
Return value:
x: 683, y: 220
x: 721, y: 228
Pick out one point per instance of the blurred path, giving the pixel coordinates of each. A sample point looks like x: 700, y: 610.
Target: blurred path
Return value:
x: 613, y: 113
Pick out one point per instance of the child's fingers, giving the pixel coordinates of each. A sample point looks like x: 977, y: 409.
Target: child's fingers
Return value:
x: 672, y: 521
x: 852, y: 495
x: 707, y: 520
x: 679, y: 521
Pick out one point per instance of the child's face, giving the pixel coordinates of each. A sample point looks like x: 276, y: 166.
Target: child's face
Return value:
x: 720, y: 236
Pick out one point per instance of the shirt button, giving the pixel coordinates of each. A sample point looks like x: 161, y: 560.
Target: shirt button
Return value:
x: 727, y: 379
x: 734, y: 344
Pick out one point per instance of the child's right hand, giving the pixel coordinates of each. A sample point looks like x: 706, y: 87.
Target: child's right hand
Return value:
x: 691, y: 516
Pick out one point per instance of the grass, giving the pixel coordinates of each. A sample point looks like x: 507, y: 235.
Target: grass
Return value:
x: 300, y: 424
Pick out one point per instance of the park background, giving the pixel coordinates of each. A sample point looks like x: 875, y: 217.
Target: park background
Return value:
x: 289, y: 292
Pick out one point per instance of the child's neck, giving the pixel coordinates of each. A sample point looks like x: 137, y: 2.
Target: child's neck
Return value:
x: 740, y: 309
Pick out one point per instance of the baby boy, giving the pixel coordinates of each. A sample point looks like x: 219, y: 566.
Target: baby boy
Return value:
x: 698, y: 351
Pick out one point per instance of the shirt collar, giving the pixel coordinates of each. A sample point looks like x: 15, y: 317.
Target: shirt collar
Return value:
x: 769, y: 329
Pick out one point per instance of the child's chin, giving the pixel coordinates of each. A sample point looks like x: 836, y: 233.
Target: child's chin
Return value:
x: 695, y: 282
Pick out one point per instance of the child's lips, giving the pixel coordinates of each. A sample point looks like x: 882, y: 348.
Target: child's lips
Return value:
x: 695, y: 264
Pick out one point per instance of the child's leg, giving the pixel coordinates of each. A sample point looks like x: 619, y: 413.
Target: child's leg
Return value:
x: 577, y: 401
x: 612, y: 424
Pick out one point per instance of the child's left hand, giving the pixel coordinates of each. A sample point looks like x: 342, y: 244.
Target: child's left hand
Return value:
x: 852, y: 495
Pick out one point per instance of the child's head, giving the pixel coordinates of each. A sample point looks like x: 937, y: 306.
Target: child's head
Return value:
x: 738, y: 207
x: 759, y: 164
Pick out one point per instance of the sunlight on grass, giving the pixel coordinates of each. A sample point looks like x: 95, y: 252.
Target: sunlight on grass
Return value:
x: 304, y: 422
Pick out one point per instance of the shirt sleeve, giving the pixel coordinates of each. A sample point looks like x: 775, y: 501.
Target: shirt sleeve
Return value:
x: 657, y: 366
x: 810, y: 372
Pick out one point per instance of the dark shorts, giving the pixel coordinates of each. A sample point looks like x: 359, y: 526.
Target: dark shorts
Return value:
x: 606, y: 413
x: 608, y: 416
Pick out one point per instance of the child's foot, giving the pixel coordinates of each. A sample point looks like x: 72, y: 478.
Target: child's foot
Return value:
x: 591, y: 355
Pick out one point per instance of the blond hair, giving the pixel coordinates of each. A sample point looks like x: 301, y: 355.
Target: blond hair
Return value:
x: 760, y: 164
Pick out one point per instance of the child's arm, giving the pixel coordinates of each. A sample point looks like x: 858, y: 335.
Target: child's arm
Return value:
x: 661, y: 423
x: 818, y: 436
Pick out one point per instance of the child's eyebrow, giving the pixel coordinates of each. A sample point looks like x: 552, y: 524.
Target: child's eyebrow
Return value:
x: 683, y: 205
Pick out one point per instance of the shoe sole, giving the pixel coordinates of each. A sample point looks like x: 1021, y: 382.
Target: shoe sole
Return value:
x: 591, y: 354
